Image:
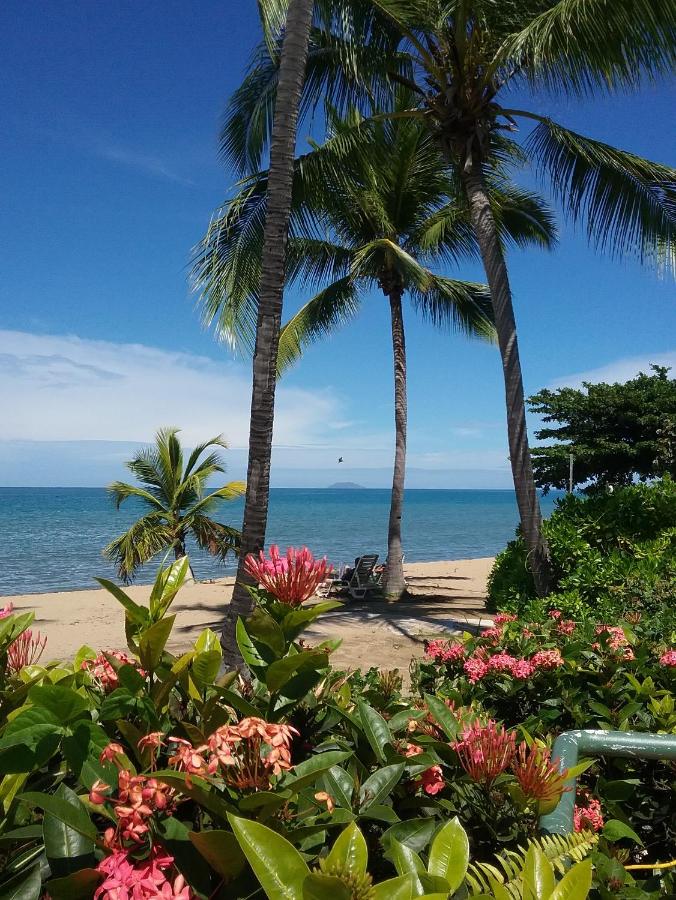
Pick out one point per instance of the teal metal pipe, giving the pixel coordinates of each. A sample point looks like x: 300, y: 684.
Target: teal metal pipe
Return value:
x: 570, y: 745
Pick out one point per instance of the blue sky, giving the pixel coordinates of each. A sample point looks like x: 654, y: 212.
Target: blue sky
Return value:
x: 110, y: 175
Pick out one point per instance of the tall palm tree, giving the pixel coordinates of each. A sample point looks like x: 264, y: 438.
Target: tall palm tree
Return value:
x: 368, y: 215
x: 173, y: 495
x: 459, y: 57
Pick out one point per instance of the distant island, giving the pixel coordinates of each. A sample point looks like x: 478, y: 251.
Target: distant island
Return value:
x: 346, y: 486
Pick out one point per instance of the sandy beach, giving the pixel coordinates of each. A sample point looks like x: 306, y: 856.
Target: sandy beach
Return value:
x: 445, y: 596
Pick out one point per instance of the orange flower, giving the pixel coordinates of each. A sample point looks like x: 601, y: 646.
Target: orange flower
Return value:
x: 323, y: 797
x: 97, y: 795
x: 539, y: 778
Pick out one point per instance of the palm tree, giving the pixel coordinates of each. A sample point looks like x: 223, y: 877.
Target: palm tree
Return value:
x: 175, y: 502
x: 458, y: 58
x: 370, y: 215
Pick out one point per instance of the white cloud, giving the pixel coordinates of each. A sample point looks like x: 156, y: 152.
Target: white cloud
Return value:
x: 142, y: 162
x: 620, y: 370
x: 66, y: 388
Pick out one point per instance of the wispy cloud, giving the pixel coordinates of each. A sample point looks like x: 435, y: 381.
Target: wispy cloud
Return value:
x: 619, y: 370
x: 133, y: 159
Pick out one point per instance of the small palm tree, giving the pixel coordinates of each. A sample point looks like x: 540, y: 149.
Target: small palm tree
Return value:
x: 176, y: 503
x: 368, y: 215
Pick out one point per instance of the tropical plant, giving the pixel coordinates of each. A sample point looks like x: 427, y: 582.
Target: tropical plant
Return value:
x: 615, y: 432
x: 289, y: 83
x: 369, y: 215
x: 458, y: 58
x: 177, y: 505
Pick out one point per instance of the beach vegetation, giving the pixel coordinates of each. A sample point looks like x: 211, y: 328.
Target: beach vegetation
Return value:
x: 459, y: 61
x: 385, y: 214
x: 612, y: 552
x: 616, y: 433
x: 146, y: 773
x: 172, y: 490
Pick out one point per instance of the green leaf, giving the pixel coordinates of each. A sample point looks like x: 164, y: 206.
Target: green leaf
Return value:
x: 414, y: 833
x: 79, y: 885
x: 279, y: 867
x: 538, y: 875
x: 153, y: 641
x: 307, y: 772
x: 405, y: 860
x: 63, y: 703
x: 137, y: 614
x: 247, y: 648
x: 205, y: 667
x: 403, y: 887
x: 280, y: 671
x: 339, y: 784
x: 199, y: 790
x: 575, y: 884
x: 25, y: 887
x: 375, y: 728
x: 263, y: 627
x: 349, y: 852
x: 378, y: 785
x: 166, y: 586
x: 614, y: 830
x: 67, y: 848
x: 221, y: 851
x: 449, y: 854
x: 443, y: 716
x: 67, y: 811
x: 238, y: 703
x: 296, y: 621
x: 29, y: 741
x: 318, y: 886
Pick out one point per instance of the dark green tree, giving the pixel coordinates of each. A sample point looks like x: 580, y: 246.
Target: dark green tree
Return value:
x: 615, y: 432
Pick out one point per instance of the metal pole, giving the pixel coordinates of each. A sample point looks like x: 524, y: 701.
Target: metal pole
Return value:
x: 570, y: 473
x: 570, y: 744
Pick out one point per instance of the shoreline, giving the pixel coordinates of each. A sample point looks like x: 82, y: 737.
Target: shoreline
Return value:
x: 444, y: 595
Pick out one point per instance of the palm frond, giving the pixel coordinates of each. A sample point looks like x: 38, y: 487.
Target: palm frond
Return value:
x: 213, y: 459
x: 231, y: 491
x: 579, y: 45
x: 333, y: 306
x: 508, y: 868
x: 217, y: 539
x: 384, y: 253
x: 147, y: 537
x: 121, y: 491
x: 628, y: 203
x: 523, y: 217
x: 456, y: 305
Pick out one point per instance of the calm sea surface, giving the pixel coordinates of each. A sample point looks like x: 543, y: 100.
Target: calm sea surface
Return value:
x: 52, y: 537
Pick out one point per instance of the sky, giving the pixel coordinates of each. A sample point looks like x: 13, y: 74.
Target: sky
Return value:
x: 110, y: 174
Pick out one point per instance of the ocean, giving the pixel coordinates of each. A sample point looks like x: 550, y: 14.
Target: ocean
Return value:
x: 52, y: 537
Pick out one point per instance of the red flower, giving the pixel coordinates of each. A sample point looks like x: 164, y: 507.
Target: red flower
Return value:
x: 432, y: 779
x: 291, y: 580
x: 26, y: 650
x: 539, y: 778
x: 668, y: 659
x: 504, y: 618
x: 588, y: 817
x: 485, y: 751
x: 445, y: 651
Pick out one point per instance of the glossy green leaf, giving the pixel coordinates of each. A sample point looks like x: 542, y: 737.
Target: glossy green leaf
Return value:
x: 247, y: 648
x: 575, y: 884
x: 279, y: 867
x: 404, y: 860
x: 200, y: 790
x: 153, y: 641
x: 614, y: 830
x: 339, y: 784
x: 261, y: 626
x: 63, y: 703
x: 378, y: 785
x: 375, y: 728
x: 318, y: 886
x: 167, y: 584
x: 67, y: 811
x: 403, y: 887
x: 298, y: 619
x: 443, y: 716
x: 449, y: 854
x: 349, y: 852
x: 310, y: 769
x: 414, y: 833
x: 205, y: 667
x: 538, y: 875
x: 239, y: 704
x: 23, y: 887
x: 221, y: 851
x: 66, y: 847
x: 280, y: 671
x: 137, y: 614
x: 79, y: 885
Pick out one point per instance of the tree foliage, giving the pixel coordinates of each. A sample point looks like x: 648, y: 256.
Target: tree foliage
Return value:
x: 173, y: 494
x: 616, y: 432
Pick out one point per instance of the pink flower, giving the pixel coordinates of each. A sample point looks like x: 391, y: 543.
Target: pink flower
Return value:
x: 131, y: 879
x: 565, y: 627
x: 98, y: 793
x: 501, y: 662
x: 547, y: 659
x: 110, y: 753
x: 539, y: 778
x: 26, y: 650
x: 103, y: 672
x: 445, y: 651
x: 614, y: 636
x: 291, y: 580
x: 7, y: 610
x: 589, y: 817
x: 485, y: 751
x: 492, y: 635
x: 554, y: 613
x: 504, y: 618
x: 668, y: 659
x: 475, y: 669
x: 523, y: 668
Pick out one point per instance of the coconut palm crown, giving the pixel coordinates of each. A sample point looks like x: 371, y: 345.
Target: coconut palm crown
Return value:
x: 377, y: 214
x: 173, y: 493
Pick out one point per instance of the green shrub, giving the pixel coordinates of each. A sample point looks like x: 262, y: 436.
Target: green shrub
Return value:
x: 610, y: 552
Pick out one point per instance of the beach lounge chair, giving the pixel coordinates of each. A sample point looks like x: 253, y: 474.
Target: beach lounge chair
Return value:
x: 360, y: 580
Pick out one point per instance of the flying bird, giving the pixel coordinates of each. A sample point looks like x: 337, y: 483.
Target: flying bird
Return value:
x: 340, y: 459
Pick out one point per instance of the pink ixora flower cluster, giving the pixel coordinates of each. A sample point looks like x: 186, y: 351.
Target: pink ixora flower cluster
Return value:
x: 615, y: 640
x: 588, y: 815
x: 138, y: 799
x: 26, y: 650
x: 103, y: 672
x: 291, y: 579
x: 432, y: 779
x: 131, y: 879
x: 445, y: 651
x: 504, y: 618
x: 668, y: 659
x: 480, y: 664
x: 246, y: 755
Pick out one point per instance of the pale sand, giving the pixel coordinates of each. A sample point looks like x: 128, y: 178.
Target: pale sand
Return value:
x: 446, y: 596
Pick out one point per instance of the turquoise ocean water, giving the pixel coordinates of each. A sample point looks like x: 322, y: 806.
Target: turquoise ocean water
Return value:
x: 52, y: 537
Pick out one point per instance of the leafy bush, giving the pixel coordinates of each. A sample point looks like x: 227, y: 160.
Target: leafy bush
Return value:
x: 145, y: 774
x: 610, y: 552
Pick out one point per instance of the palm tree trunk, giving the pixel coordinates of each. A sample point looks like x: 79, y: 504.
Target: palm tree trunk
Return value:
x: 519, y: 451
x: 394, y: 585
x: 282, y: 151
